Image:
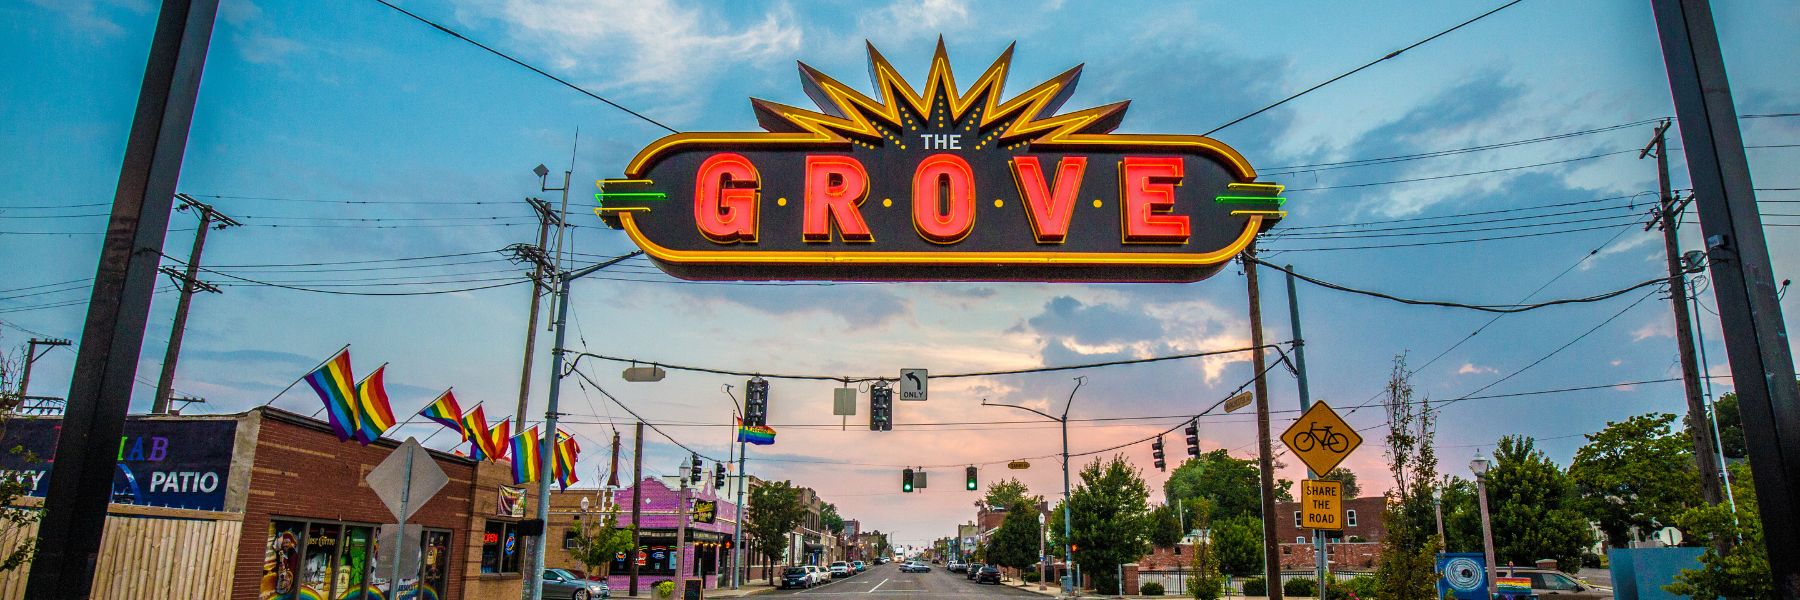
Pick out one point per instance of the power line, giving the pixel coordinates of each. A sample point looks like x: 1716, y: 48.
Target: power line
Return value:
x: 1379, y: 233
x: 1590, y: 203
x: 1352, y: 71
x: 1493, y: 308
x: 533, y: 69
x: 1442, y: 243
x: 1360, y: 162
x: 1463, y: 174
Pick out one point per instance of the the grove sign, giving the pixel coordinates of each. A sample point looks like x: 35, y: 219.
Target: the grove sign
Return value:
x: 939, y: 184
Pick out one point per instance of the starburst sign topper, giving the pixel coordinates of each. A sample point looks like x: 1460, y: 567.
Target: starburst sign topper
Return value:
x: 939, y: 184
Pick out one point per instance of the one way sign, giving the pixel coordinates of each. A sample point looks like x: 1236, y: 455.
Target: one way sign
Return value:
x: 913, y: 383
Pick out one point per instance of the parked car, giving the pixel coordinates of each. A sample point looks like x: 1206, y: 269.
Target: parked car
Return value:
x: 974, y: 569
x: 988, y: 574
x: 840, y: 569
x: 860, y: 567
x: 559, y: 583
x: 955, y: 567
x: 915, y: 567
x: 1550, y: 582
x: 819, y: 574
x: 796, y: 577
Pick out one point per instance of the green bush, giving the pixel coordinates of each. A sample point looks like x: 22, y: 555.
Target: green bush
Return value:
x: 665, y: 589
x: 1300, y: 586
x: 1255, y: 586
x: 1151, y: 589
x: 1032, y: 576
x: 1362, y: 586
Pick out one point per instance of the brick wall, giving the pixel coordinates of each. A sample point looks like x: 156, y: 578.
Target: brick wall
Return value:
x: 1344, y: 557
x: 484, y: 498
x: 302, y: 471
x: 1369, y: 526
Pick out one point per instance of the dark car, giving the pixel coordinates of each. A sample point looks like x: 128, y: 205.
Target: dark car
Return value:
x: 988, y: 575
x: 796, y: 577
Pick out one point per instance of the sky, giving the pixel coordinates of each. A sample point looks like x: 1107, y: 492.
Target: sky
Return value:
x: 344, y: 131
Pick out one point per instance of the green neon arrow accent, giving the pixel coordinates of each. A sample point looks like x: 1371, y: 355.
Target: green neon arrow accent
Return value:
x: 1275, y: 200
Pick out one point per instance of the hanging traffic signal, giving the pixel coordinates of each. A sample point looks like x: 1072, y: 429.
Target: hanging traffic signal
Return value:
x: 906, y: 481
x: 969, y: 475
x: 881, y: 407
x: 756, y: 402
x: 1193, y: 438
x: 694, y: 469
x: 719, y: 475
x: 1156, y: 451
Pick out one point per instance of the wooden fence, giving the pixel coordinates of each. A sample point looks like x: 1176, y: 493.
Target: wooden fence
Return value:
x: 178, y: 555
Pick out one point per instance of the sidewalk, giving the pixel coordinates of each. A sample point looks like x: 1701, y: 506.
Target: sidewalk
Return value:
x: 747, y: 588
x: 1056, y: 592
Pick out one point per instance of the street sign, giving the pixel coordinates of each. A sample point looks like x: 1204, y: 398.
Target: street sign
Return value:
x: 408, y: 474
x: 407, y: 548
x: 1238, y: 401
x: 1320, y: 438
x: 843, y: 402
x: 1321, y: 505
x: 913, y: 383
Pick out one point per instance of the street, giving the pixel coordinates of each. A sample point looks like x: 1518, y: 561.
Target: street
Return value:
x: 888, y: 582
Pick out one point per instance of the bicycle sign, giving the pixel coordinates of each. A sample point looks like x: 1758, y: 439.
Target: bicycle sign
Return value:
x: 1320, y: 438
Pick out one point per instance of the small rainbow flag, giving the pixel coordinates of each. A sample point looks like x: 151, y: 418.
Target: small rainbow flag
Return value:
x: 445, y: 412
x: 332, y: 382
x: 475, y: 429
x: 525, y: 456
x: 761, y: 435
x: 374, y: 415
x: 501, y: 433
x: 562, y: 463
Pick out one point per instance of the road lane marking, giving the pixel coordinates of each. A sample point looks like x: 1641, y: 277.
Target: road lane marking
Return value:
x: 877, y: 587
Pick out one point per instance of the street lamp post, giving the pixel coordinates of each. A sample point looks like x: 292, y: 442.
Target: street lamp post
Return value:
x: 1479, y: 467
x: 1068, y: 550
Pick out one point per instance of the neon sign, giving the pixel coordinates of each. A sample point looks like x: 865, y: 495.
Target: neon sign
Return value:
x: 943, y: 183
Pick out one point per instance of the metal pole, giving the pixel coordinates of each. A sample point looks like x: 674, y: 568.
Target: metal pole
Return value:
x: 1487, y: 530
x: 681, y: 514
x: 1756, y: 341
x: 74, y: 517
x: 534, y: 573
x: 637, y: 503
x: 1684, y: 341
x: 1271, y: 546
x: 1712, y: 416
x: 1073, y: 586
x: 165, y: 383
x: 400, y: 533
x: 1043, y: 559
x: 1319, y: 549
x: 737, y: 535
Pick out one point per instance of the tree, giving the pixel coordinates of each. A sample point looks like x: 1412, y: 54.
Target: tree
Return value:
x: 595, y: 547
x: 1015, y: 544
x: 1742, y: 571
x: 1638, y: 473
x: 1165, y: 527
x: 1462, y: 516
x: 1407, y: 567
x: 1007, y: 494
x: 13, y: 517
x: 1731, y: 426
x: 1238, y: 543
x: 1110, y: 518
x: 1533, y: 508
x: 831, y: 520
x: 1346, y: 477
x: 1205, y: 583
x: 1233, y: 485
x: 775, y: 510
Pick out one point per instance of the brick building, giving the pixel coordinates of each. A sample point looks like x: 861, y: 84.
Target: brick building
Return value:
x: 1362, y: 519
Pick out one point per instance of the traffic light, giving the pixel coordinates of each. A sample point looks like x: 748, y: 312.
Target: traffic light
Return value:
x: 881, y: 407
x: 1156, y: 451
x: 694, y: 469
x: 969, y: 476
x: 756, y: 402
x: 718, y: 475
x: 1193, y: 438
x: 906, y: 481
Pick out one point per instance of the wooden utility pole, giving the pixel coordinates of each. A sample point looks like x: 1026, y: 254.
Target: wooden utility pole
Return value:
x: 546, y: 218
x: 637, y: 503
x: 189, y: 282
x: 1264, y: 458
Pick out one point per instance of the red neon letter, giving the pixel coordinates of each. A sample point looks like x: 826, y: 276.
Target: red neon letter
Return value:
x: 725, y: 198
x: 1146, y: 193
x: 951, y: 173
x: 835, y: 186
x: 1049, y: 211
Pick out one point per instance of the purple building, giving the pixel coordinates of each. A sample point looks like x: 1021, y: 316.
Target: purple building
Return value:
x: 708, y: 553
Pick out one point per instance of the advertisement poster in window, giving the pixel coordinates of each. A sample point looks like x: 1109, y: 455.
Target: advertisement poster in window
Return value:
x: 512, y: 503
x: 281, y: 561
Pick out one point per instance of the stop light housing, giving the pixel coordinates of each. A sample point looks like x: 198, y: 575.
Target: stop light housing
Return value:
x: 756, y: 402
x: 1156, y: 452
x: 1193, y: 439
x: 906, y: 481
x: 969, y: 475
x: 881, y: 408
x: 719, y: 475
x: 694, y: 469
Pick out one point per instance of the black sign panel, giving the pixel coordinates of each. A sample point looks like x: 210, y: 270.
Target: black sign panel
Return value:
x: 167, y: 463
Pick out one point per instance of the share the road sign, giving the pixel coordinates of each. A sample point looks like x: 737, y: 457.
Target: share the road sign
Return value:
x: 1321, y: 505
x: 1320, y: 438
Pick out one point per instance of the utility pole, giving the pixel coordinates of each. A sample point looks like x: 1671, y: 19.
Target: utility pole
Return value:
x: 681, y: 529
x: 1265, y: 460
x: 1756, y: 340
x: 31, y: 356
x: 546, y: 218
x: 637, y: 503
x: 1319, y: 549
x: 112, y: 338
x: 737, y: 535
x: 189, y: 282
x: 1668, y: 218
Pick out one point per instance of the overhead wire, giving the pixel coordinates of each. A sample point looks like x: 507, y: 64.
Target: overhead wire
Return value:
x: 1494, y: 308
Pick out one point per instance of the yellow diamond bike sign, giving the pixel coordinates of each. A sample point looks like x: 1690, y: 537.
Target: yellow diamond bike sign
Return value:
x: 1320, y: 438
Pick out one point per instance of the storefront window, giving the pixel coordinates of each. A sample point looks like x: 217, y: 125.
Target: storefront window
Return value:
x: 353, y: 570
x: 656, y: 553
x: 281, y: 561
x: 344, y: 561
x: 500, y: 549
x: 434, y: 563
x: 321, y: 552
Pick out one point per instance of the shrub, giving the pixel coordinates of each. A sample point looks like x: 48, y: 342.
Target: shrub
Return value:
x: 1031, y: 576
x: 1300, y: 586
x: 1151, y: 589
x: 664, y: 589
x: 1255, y: 586
x: 1362, y: 586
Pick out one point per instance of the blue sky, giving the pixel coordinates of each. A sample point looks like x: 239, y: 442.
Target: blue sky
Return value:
x: 307, y: 105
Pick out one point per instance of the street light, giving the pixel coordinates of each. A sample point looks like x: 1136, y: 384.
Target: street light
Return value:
x: 1479, y: 466
x: 1068, y: 546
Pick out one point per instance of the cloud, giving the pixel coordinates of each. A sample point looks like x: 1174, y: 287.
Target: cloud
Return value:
x: 858, y: 305
x: 1655, y: 328
x: 1474, y: 369
x: 85, y: 15
x: 252, y: 355
x: 1616, y: 362
x: 906, y: 20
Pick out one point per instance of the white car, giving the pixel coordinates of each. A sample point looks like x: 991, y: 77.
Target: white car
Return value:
x: 841, y: 569
x: 819, y: 576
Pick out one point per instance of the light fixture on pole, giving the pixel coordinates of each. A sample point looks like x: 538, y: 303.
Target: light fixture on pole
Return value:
x: 1479, y: 466
x: 1068, y: 547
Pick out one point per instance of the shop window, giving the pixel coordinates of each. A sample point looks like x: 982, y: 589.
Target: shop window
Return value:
x: 339, y: 560
x: 316, y: 567
x: 434, y: 563
x: 655, y: 555
x: 281, y: 561
x: 500, y: 549
x: 1350, y: 517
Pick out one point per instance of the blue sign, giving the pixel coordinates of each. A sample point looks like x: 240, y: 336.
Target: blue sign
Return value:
x: 163, y: 462
x: 1463, y: 575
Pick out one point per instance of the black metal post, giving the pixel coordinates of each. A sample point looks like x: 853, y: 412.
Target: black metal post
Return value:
x: 106, y: 364
x: 1756, y: 341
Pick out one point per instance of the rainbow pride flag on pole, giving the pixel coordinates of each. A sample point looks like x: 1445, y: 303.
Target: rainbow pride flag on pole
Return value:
x: 525, y: 456
x: 760, y: 435
x: 332, y: 382
x: 444, y: 411
x: 374, y: 415
x: 562, y: 463
x: 475, y: 429
x: 502, y: 435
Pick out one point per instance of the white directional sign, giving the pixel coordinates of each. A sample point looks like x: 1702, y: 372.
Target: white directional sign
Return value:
x: 913, y: 384
x: 843, y: 402
x: 408, y: 475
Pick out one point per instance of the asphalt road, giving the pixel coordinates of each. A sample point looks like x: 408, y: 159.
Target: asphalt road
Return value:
x: 886, y: 582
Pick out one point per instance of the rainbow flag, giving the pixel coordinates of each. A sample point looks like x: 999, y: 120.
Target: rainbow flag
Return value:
x: 501, y: 433
x: 374, y: 416
x: 761, y: 435
x: 445, y: 412
x: 475, y: 429
x: 525, y: 456
x: 332, y: 382
x: 562, y: 463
